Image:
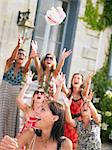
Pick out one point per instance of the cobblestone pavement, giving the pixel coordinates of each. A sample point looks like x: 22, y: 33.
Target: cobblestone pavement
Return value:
x: 107, y: 146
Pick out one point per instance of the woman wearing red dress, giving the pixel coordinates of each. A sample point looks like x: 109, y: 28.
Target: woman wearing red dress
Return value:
x: 77, y: 93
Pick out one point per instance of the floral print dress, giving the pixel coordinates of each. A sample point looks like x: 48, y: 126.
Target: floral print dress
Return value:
x: 89, y: 137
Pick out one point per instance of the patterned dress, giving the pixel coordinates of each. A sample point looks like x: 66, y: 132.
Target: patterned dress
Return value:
x: 9, y: 113
x: 69, y: 131
x: 89, y: 137
x: 48, y: 85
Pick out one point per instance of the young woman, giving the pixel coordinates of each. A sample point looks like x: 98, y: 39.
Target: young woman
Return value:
x: 50, y: 120
x: 36, y: 102
x: 47, y: 70
x: 77, y: 93
x: 9, y: 89
x: 88, y: 128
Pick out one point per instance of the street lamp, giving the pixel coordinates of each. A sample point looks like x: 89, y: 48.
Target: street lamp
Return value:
x: 25, y: 25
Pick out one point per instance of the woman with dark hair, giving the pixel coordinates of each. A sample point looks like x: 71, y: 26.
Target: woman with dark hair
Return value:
x: 12, y: 79
x: 47, y: 70
x: 88, y: 127
x: 50, y: 120
x: 77, y: 93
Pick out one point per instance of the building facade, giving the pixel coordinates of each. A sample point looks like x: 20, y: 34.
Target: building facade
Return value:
x: 88, y: 47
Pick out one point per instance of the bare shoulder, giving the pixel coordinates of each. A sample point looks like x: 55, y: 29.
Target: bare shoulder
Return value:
x: 67, y: 144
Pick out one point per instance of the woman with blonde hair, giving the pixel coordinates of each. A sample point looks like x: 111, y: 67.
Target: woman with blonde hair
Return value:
x: 47, y: 70
x: 36, y: 102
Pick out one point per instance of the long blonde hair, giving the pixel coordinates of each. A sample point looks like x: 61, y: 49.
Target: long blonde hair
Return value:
x: 54, y: 62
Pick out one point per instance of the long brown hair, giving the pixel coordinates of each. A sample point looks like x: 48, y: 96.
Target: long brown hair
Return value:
x: 71, y: 87
x: 58, y: 127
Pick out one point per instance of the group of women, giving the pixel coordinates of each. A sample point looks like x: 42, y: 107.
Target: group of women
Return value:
x: 49, y: 124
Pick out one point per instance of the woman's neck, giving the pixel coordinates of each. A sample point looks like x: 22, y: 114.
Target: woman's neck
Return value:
x: 47, y: 70
x: 17, y: 65
x: 45, y: 137
x: 86, y: 121
x: 76, y: 91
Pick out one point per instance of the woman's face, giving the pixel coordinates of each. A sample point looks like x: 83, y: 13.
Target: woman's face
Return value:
x: 38, y: 97
x: 45, y: 118
x: 77, y: 80
x: 85, y: 111
x: 21, y: 57
x: 48, y: 61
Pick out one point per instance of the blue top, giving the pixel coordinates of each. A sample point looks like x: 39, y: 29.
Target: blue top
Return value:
x: 10, y: 78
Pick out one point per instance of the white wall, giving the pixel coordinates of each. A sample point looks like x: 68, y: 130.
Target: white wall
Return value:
x: 8, y: 26
x: 89, y: 47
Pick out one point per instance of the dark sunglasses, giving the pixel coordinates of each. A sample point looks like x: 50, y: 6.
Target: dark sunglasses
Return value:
x: 48, y: 57
x: 19, y: 53
x: 37, y: 92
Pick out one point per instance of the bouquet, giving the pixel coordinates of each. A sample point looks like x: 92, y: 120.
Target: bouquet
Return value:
x: 55, y: 16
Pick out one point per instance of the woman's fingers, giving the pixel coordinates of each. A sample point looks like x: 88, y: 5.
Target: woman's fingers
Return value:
x: 34, y: 45
x: 8, y: 143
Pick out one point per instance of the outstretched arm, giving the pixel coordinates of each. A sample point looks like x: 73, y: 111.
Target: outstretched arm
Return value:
x: 20, y: 97
x: 94, y: 114
x: 87, y: 87
x: 68, y: 117
x: 33, y: 54
x: 36, y: 59
x: 64, y: 55
x: 59, y: 82
x: 14, y: 53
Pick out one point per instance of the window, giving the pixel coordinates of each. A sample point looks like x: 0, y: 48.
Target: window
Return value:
x: 49, y: 38
x: 54, y: 38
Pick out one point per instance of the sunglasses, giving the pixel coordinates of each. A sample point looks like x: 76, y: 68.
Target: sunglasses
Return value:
x: 19, y: 53
x: 48, y: 57
x: 37, y: 92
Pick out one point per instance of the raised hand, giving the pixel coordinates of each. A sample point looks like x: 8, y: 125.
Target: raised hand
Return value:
x: 60, y: 79
x: 90, y: 96
x: 67, y: 102
x: 89, y: 78
x: 8, y: 143
x: 29, y: 77
x: 21, y: 40
x: 65, y: 53
x: 34, y: 45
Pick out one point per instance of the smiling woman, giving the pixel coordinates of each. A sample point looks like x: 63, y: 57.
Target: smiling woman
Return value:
x: 10, y: 87
x: 51, y: 120
x: 47, y: 70
x: 88, y: 127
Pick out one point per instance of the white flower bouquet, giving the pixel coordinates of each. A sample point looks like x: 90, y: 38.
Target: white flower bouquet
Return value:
x: 55, y: 16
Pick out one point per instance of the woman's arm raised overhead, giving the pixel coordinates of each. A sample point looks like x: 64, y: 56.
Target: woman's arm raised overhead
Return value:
x: 94, y: 114
x: 34, y: 46
x: 87, y: 87
x: 20, y: 97
x: 68, y: 117
x: 9, y: 61
x: 64, y: 55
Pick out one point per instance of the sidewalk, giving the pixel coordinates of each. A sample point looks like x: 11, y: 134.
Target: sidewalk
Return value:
x: 107, y: 146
